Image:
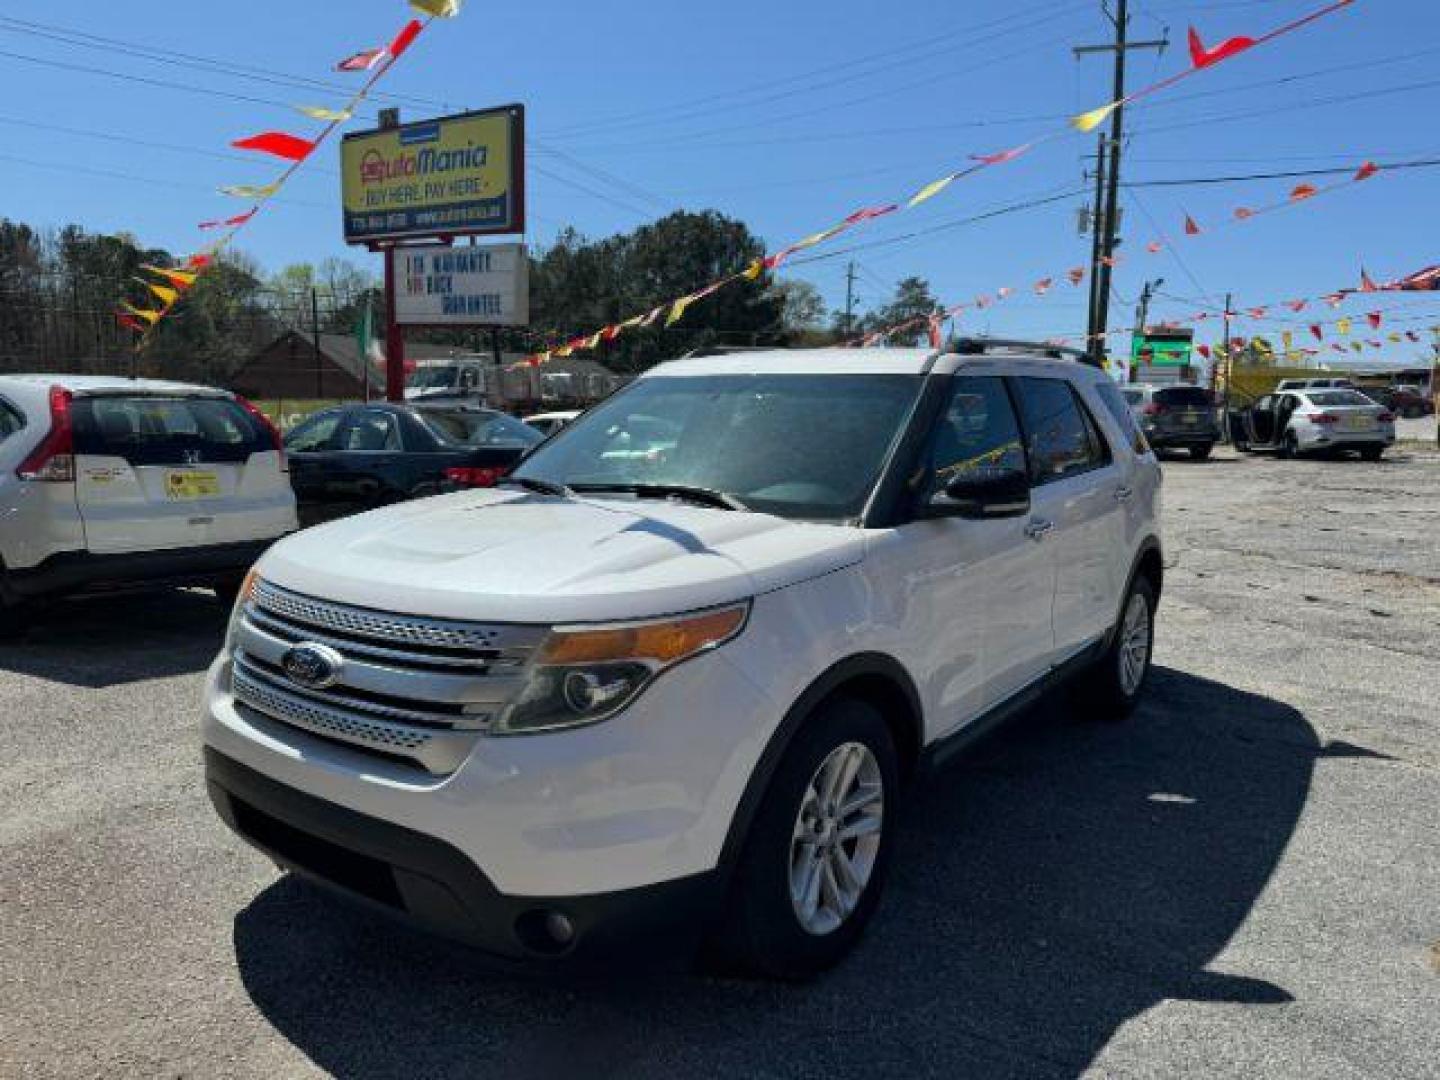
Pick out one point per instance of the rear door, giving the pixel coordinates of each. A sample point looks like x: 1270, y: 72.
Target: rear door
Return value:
x: 157, y: 472
x: 1077, y: 507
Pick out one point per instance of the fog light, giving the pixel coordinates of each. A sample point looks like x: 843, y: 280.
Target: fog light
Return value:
x: 560, y: 928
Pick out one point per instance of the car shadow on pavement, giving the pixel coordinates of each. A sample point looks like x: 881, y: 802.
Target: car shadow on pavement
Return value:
x: 1060, y: 880
x: 114, y: 640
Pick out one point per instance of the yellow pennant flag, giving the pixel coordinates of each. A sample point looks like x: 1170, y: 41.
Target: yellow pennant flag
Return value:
x: 1089, y: 121
x: 630, y: 324
x: 1343, y: 326
x: 753, y: 271
x: 677, y: 312
x: 1394, y: 339
x: 151, y: 317
x: 440, y: 9
x: 250, y: 191
x: 929, y: 191
x: 593, y: 342
x: 180, y: 278
x: 564, y: 350
x: 166, y: 294
x: 1289, y: 339
x: 317, y: 112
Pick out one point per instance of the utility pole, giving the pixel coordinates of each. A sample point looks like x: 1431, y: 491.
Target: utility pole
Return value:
x: 315, y: 343
x: 1229, y: 369
x: 1094, y: 330
x: 1106, y: 218
x: 849, y: 296
x: 1142, y: 316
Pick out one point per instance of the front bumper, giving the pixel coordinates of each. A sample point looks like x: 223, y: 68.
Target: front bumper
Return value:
x: 436, y: 887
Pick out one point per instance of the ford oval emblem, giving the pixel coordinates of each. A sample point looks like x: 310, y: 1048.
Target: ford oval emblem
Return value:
x: 312, y: 666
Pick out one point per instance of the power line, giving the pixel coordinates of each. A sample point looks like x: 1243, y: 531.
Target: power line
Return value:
x: 1427, y: 163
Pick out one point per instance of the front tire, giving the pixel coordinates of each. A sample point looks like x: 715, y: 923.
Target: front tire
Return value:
x: 1200, y: 453
x: 1113, y: 687
x: 816, y: 858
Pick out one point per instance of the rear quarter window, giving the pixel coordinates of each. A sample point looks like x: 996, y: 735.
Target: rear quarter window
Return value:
x: 166, y: 431
x: 1118, y: 404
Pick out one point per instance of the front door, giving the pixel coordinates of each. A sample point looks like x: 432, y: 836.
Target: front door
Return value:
x: 976, y: 596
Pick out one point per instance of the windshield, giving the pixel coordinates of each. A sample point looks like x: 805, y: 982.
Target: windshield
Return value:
x: 799, y: 446
x: 480, y: 428
x: 1184, y: 397
x: 440, y: 378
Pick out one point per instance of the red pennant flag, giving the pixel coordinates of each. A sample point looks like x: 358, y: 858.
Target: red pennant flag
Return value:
x: 198, y: 262
x: 870, y: 213
x: 1154, y: 247
x: 1043, y: 286
x: 935, y: 331
x: 1319, y: 333
x: 1000, y: 158
x: 610, y: 333
x: 1375, y: 344
x: 1191, y: 229
x: 1076, y: 275
x: 1203, y: 350
x: 1374, y: 318
x: 238, y: 219
x: 1256, y: 312
x: 1334, y: 299
x: 1297, y: 305
x: 1243, y: 212
x: 128, y: 323
x: 1366, y: 285
x: 361, y: 61
x: 1366, y: 171
x: 1002, y: 292
x: 1303, y: 191
x: 406, y: 37
x: 1112, y: 261
x: 1202, y: 57
x: 278, y: 143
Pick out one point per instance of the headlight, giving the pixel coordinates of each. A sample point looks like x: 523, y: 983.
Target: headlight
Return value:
x: 583, y: 675
x: 247, y: 592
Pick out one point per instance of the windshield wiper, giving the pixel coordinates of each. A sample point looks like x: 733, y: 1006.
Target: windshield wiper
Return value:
x: 539, y: 487
x: 718, y: 500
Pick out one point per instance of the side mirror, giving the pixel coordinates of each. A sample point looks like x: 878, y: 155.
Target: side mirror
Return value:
x: 983, y: 494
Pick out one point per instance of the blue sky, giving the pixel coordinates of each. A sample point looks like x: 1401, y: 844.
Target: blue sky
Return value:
x: 788, y: 116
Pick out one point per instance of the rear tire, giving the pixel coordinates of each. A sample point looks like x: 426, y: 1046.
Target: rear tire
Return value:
x: 1372, y: 453
x: 1200, y: 453
x: 816, y: 857
x: 1113, y: 687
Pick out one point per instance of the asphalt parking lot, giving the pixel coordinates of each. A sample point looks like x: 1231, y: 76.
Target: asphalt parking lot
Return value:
x: 1242, y: 881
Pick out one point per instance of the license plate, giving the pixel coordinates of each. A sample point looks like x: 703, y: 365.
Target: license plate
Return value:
x: 181, y: 486
x: 1356, y: 423
x: 1190, y: 418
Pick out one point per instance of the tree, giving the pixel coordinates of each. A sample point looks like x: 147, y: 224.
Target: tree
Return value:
x: 802, y: 306
x: 913, y: 302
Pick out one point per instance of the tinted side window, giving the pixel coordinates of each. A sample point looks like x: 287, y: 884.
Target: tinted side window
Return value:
x: 1117, y: 404
x: 1061, y: 440
x: 10, y: 420
x: 372, y: 432
x: 314, y: 435
x: 977, y: 433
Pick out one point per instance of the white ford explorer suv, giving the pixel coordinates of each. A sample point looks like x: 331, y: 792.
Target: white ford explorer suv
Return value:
x: 110, y: 483
x: 668, y: 683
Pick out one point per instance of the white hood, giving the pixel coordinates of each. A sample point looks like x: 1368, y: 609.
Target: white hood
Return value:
x: 508, y: 556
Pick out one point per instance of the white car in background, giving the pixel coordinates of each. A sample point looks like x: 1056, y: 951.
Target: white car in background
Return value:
x: 1312, y: 421
x: 550, y: 422
x: 108, y: 482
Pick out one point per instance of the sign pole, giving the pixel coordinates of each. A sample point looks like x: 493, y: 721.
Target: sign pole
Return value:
x: 394, y: 337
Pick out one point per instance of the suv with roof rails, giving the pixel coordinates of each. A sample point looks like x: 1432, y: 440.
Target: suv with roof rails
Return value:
x: 667, y: 684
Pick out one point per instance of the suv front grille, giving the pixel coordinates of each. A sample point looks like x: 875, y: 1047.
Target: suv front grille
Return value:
x: 416, y: 689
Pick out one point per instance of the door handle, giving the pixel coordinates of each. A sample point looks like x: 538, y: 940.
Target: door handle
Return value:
x: 1123, y: 494
x: 1038, y: 529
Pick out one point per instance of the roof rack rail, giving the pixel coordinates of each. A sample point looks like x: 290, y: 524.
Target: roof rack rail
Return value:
x: 972, y: 346
x: 705, y: 351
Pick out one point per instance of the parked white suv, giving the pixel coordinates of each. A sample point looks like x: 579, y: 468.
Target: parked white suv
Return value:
x: 670, y: 683
x: 110, y: 482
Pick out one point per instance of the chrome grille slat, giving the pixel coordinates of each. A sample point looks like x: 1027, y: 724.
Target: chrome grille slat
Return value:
x: 418, y: 688
x: 436, y: 752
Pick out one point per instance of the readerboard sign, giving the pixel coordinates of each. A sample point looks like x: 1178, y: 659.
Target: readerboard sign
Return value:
x: 456, y: 176
x: 437, y: 285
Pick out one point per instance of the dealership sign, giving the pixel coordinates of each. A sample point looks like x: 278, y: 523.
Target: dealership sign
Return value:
x: 462, y: 286
x: 455, y: 176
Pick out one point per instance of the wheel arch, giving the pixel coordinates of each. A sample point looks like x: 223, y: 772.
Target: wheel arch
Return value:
x: 875, y: 678
x: 1149, y: 561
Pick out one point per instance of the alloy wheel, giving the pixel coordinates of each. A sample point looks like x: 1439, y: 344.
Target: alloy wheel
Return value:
x: 1134, y: 644
x: 836, y: 838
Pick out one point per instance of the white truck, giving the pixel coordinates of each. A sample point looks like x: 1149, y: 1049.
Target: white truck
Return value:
x: 668, y: 684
